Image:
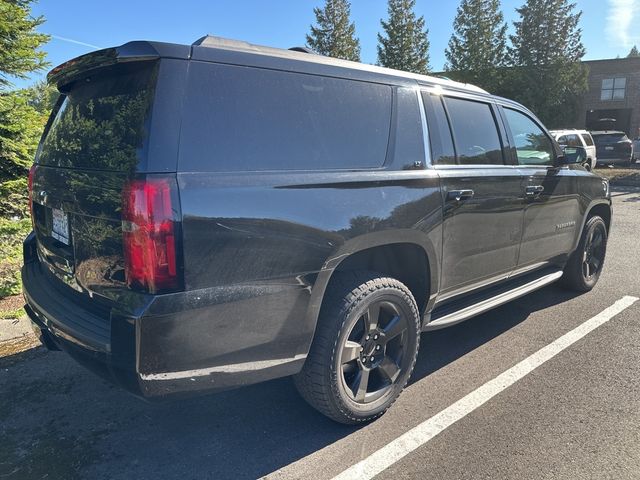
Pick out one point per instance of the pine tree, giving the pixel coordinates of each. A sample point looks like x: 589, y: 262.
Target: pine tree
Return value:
x: 634, y: 52
x: 19, y: 41
x: 477, y: 48
x: 20, y: 124
x: 334, y: 35
x: 546, y: 53
x: 405, y: 43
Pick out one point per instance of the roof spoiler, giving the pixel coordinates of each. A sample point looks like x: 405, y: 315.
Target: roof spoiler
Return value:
x: 129, y: 52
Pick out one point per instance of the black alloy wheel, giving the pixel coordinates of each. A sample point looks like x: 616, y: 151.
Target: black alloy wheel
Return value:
x: 594, y: 251
x: 364, y: 349
x: 372, y: 354
x: 582, y: 271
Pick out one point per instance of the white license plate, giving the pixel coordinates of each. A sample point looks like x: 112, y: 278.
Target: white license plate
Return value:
x: 60, y: 227
x: 608, y: 148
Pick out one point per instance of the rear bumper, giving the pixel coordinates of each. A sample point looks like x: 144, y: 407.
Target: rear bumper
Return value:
x: 176, y: 344
x: 618, y: 160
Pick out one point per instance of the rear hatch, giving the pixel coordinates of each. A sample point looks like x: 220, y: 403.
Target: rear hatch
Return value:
x: 614, y: 145
x: 91, y: 168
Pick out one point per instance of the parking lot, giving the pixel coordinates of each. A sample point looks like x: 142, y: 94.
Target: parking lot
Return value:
x: 575, y: 416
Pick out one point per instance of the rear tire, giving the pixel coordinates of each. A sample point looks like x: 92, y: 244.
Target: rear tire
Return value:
x: 364, y: 349
x: 582, y: 271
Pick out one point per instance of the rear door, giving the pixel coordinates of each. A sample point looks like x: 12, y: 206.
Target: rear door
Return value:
x: 482, y: 194
x: 552, y: 200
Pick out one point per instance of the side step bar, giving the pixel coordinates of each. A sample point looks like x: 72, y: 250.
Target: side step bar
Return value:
x: 449, y: 317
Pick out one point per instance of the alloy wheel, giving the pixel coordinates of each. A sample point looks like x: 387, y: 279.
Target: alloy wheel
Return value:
x: 594, y: 251
x: 371, y: 357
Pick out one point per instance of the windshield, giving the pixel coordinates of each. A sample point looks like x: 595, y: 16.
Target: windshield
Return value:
x: 101, y: 123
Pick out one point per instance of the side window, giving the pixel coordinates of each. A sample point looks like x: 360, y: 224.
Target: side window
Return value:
x: 442, y: 151
x: 563, y: 140
x: 533, y: 147
x: 475, y: 132
x: 574, y: 140
x: 252, y: 119
x: 587, y: 139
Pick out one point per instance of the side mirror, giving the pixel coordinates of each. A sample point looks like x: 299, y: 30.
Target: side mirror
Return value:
x: 572, y: 156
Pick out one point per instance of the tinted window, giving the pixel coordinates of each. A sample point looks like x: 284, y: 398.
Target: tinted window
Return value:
x: 247, y: 119
x: 102, y: 121
x: 533, y: 147
x: 587, y: 139
x: 475, y: 132
x: 442, y: 151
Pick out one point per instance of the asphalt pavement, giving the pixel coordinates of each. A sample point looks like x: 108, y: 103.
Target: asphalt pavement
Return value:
x: 577, y: 416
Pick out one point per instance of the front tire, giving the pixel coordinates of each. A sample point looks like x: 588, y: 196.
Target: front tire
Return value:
x: 364, y: 349
x: 585, y: 264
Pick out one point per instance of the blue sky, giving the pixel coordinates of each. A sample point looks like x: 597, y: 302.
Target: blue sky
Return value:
x: 79, y: 27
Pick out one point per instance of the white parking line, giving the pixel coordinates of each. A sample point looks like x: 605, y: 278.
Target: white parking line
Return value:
x: 421, y: 434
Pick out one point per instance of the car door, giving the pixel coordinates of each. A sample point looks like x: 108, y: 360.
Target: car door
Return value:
x: 552, y: 210
x: 482, y: 195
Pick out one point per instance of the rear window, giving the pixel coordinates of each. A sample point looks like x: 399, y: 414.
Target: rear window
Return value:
x: 250, y: 119
x: 101, y: 123
x: 604, y: 138
x: 475, y: 132
x: 587, y: 139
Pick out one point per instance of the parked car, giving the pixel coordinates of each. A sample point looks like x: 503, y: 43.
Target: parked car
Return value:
x: 613, y: 148
x: 578, y: 138
x: 636, y: 150
x: 220, y: 214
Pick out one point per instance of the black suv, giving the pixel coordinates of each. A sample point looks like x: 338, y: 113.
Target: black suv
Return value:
x: 613, y: 148
x: 219, y: 214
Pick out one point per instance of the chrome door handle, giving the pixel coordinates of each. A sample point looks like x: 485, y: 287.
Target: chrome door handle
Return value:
x: 460, y: 195
x: 534, y: 191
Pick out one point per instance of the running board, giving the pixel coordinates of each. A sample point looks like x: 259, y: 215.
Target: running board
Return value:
x: 448, y: 317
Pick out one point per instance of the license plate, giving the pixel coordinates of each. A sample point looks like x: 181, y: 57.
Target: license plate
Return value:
x: 60, y: 227
x: 608, y: 148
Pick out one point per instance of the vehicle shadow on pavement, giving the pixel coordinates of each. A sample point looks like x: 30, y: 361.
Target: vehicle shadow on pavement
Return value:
x: 58, y: 419
x: 441, y: 347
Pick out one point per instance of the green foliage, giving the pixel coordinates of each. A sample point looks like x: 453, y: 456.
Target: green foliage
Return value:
x: 43, y: 97
x: 334, y: 35
x: 14, y: 199
x: 19, y: 42
x: 634, y: 52
x: 20, y: 129
x: 12, y: 233
x: 477, y: 49
x: 405, y: 43
x: 546, y: 52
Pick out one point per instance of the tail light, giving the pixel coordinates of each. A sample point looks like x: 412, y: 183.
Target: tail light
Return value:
x: 150, y: 225
x: 32, y: 172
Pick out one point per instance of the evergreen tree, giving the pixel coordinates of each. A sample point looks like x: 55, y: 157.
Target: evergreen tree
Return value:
x: 634, y: 52
x: 548, y: 76
x: 477, y: 48
x: 19, y: 41
x: 405, y: 43
x: 334, y: 35
x: 20, y: 123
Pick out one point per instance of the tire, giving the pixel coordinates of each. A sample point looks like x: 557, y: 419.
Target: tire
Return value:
x: 340, y: 358
x: 582, y: 271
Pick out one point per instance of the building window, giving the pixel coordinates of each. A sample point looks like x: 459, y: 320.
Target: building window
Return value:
x: 613, y: 88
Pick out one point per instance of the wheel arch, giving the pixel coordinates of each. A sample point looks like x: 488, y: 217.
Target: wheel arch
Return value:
x: 409, y: 256
x: 601, y: 208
